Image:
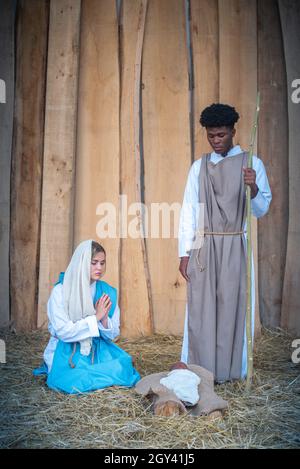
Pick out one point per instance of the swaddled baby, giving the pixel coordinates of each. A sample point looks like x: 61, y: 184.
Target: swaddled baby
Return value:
x: 183, y: 382
x: 167, y: 404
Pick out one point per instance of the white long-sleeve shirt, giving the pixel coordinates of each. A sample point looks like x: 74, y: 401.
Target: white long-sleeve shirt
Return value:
x: 190, y: 206
x: 69, y: 331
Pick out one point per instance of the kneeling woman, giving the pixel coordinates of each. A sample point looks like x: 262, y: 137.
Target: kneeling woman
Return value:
x: 84, y: 317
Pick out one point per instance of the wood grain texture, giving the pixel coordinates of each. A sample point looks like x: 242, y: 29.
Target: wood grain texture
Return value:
x: 272, y: 146
x: 205, y: 47
x: 290, y: 21
x: 27, y: 160
x: 7, y: 73
x: 59, y: 147
x: 238, y: 81
x: 97, y: 155
x: 136, y: 314
x: 167, y: 152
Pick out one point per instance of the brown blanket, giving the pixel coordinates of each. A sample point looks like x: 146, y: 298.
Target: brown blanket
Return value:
x: 209, y: 401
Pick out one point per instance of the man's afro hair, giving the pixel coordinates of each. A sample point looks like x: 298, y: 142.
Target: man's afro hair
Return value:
x: 219, y: 115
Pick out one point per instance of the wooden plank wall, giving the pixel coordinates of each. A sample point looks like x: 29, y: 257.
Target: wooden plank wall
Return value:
x: 135, y: 295
x: 272, y: 147
x: 238, y: 81
x: 98, y: 148
x: 127, y: 130
x: 167, y: 152
x: 290, y: 22
x: 59, y: 147
x: 205, y: 44
x: 7, y: 70
x: 27, y: 160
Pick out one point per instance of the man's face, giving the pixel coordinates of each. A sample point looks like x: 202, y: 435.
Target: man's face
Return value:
x: 220, y: 139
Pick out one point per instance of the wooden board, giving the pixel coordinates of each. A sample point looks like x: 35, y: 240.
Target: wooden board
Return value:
x: 167, y: 150
x: 238, y: 61
x: 272, y: 148
x: 26, y: 181
x: 59, y: 147
x: 7, y: 18
x: 97, y: 155
x: 135, y: 295
x: 290, y: 21
x: 238, y: 80
x: 205, y: 47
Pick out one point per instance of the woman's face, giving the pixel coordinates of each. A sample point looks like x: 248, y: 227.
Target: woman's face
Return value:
x: 98, y: 266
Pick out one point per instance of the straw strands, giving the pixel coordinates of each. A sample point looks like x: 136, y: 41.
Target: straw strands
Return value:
x: 33, y: 416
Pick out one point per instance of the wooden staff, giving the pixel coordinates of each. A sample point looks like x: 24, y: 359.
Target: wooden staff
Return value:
x: 249, y: 256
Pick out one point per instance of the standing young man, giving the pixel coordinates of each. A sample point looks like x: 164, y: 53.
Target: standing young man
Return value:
x: 214, y: 332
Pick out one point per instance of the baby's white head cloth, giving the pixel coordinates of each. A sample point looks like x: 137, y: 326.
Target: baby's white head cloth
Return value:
x: 184, y: 383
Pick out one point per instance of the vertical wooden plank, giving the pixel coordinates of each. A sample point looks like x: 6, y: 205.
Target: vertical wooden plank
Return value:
x: 290, y: 24
x: 7, y: 18
x: 167, y: 152
x: 238, y: 61
x: 59, y: 146
x: 135, y: 299
x: 205, y: 47
x: 238, y: 80
x: 272, y: 145
x: 31, y: 51
x: 97, y: 156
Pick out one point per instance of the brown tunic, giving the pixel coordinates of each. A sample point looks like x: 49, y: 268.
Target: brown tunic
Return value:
x: 217, y: 287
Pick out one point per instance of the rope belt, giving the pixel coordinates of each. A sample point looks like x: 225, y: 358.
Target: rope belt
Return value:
x: 220, y: 233
x: 72, y: 365
x: 215, y: 233
x: 93, y: 354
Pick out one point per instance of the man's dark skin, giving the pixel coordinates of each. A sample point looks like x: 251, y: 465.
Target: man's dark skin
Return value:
x: 221, y: 141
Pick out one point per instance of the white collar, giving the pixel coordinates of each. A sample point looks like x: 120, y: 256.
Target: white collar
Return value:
x: 233, y: 151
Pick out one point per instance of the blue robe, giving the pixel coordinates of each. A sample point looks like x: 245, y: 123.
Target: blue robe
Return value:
x: 106, y: 365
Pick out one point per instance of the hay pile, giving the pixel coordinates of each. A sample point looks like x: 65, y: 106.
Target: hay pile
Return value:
x: 33, y: 416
